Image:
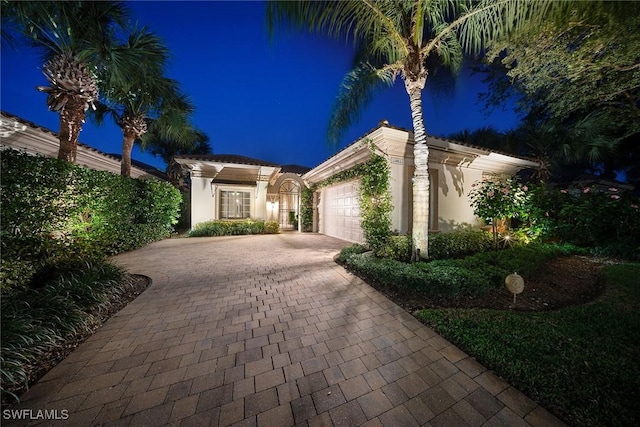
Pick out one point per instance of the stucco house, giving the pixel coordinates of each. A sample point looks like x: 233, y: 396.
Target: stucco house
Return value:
x: 232, y: 187
x: 21, y: 134
x: 236, y: 187
x: 453, y: 168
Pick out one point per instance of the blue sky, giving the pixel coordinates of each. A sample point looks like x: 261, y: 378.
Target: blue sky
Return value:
x: 254, y: 97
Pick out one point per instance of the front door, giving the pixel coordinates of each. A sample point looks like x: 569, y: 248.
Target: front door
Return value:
x: 289, y: 205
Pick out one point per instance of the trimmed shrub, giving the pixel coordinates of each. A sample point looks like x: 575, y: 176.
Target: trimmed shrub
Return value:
x: 55, y: 210
x: 350, y: 250
x: 231, y: 228
x: 271, y: 227
x: 473, y: 275
x: 459, y: 243
x: 397, y: 248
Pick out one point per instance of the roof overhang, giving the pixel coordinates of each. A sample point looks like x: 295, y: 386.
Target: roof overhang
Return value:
x: 398, y: 143
x: 228, y: 172
x: 33, y: 139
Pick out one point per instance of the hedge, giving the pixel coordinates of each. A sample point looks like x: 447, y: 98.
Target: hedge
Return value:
x: 54, y: 210
x: 473, y: 275
x: 233, y: 228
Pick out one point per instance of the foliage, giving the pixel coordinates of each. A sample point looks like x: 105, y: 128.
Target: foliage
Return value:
x: 347, y: 251
x: 271, y: 227
x: 375, y: 202
x: 171, y: 136
x: 582, y: 363
x: 455, y: 277
x: 36, y: 320
x: 396, y: 248
x: 233, y: 228
x: 499, y: 197
x: 134, y: 97
x: 293, y: 218
x: 608, y: 220
x: 54, y: 210
x: 74, y: 38
x: 375, y: 199
x: 578, y: 65
x: 458, y: 243
x: 306, y: 208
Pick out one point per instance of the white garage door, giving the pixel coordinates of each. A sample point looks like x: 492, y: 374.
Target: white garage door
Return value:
x: 340, y: 214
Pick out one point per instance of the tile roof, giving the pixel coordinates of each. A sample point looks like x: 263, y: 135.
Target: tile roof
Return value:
x: 49, y: 131
x: 384, y: 123
x: 228, y: 158
x: 297, y: 169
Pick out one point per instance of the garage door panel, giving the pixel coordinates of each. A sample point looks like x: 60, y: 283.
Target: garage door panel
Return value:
x: 340, y: 216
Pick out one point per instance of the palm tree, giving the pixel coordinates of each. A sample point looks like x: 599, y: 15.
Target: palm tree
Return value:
x: 132, y: 98
x: 169, y: 149
x: 171, y: 135
x: 406, y: 39
x: 71, y: 36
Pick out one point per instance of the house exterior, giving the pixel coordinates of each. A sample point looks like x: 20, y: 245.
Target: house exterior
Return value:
x: 24, y: 135
x: 453, y: 168
x: 234, y: 187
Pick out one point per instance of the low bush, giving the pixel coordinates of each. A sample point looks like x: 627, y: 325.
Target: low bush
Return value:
x: 473, y: 275
x: 233, y: 228
x: 397, y: 248
x: 459, y: 243
x: 37, y: 319
x: 347, y: 251
x: 271, y: 227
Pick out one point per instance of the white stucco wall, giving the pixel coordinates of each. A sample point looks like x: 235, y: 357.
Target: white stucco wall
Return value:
x: 454, y: 184
x: 260, y: 201
x: 201, y: 197
x: 400, y: 187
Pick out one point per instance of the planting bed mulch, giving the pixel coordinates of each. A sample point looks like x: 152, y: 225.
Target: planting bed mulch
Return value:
x: 135, y: 285
x: 558, y: 283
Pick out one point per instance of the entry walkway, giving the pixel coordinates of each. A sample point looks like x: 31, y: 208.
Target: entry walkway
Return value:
x: 269, y: 331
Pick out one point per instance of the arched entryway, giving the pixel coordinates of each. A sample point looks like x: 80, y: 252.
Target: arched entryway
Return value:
x: 289, y: 205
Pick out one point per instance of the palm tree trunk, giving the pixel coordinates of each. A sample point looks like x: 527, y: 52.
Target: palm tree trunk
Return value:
x: 133, y: 127
x: 127, y: 146
x: 71, y: 118
x: 420, y: 227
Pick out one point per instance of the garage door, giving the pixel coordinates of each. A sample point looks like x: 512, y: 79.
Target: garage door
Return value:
x: 340, y: 214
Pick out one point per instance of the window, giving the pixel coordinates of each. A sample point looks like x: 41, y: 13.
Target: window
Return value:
x: 235, y: 204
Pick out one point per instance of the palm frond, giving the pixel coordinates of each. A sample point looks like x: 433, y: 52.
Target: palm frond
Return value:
x: 356, y: 91
x: 351, y: 20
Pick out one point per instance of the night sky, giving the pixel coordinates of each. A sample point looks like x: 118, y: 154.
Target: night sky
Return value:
x: 254, y: 97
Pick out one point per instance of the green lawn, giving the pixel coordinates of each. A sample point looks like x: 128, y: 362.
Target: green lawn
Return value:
x: 582, y: 363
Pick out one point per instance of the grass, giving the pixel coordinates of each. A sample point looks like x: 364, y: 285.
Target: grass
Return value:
x: 582, y: 363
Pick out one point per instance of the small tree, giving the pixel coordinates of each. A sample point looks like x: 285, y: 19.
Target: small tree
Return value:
x: 499, y: 198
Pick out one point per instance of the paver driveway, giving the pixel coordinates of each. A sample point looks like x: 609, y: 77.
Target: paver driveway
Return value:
x: 269, y: 331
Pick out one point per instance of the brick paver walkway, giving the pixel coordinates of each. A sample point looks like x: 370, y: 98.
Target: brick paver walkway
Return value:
x: 269, y: 331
